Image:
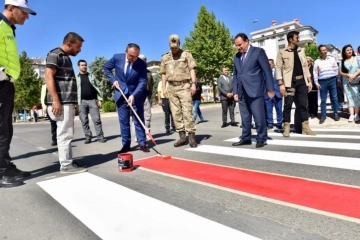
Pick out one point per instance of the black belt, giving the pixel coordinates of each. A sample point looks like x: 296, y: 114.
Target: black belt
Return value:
x: 327, y: 79
x: 178, y: 83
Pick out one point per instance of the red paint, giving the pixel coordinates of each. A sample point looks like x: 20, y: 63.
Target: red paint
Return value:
x: 327, y: 197
x: 125, y: 162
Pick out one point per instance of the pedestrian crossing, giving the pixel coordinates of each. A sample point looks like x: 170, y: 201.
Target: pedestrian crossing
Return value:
x: 115, y: 218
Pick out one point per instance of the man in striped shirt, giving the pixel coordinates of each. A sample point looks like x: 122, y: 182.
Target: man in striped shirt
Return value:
x: 325, y: 77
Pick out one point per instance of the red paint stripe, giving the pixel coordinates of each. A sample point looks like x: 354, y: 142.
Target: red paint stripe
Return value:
x: 321, y: 196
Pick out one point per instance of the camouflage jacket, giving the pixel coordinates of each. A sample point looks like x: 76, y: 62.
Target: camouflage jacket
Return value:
x: 177, y: 67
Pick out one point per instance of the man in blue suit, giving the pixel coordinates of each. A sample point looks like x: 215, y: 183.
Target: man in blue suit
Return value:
x: 252, y: 79
x: 275, y: 101
x: 130, y: 77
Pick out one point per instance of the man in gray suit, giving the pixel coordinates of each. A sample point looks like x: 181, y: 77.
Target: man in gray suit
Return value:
x: 225, y: 86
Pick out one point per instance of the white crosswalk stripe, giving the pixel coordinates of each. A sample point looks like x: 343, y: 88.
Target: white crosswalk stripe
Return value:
x: 76, y: 193
x: 276, y: 139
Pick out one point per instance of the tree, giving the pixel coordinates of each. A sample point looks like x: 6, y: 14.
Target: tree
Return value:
x: 27, y: 86
x: 311, y: 50
x: 211, y: 45
x: 96, y: 68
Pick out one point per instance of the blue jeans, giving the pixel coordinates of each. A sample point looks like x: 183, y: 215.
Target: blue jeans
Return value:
x: 328, y: 85
x: 269, y: 103
x: 196, y: 110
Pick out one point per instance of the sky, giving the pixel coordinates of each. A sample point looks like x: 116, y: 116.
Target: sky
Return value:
x: 109, y: 25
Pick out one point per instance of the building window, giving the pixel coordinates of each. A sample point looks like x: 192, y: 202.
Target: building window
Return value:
x: 282, y: 46
x: 261, y: 43
x: 281, y: 38
x: 286, y: 28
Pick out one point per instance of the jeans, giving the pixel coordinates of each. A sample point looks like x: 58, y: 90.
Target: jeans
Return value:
x: 269, y: 103
x: 328, y: 85
x: 196, y: 110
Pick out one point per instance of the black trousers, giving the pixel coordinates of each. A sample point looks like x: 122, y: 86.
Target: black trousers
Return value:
x: 313, y: 105
x: 225, y: 105
x: 7, y: 93
x: 300, y: 99
x: 53, y: 130
x: 168, y: 116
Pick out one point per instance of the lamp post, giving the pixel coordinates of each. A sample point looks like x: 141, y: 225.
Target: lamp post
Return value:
x: 255, y: 21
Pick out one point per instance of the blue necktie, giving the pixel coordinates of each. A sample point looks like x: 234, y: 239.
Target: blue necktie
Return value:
x: 128, y: 70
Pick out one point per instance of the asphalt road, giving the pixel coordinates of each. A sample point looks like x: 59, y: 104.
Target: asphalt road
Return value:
x: 37, y: 210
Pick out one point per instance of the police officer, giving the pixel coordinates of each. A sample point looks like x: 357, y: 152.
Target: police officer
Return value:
x: 15, y: 12
x: 178, y: 69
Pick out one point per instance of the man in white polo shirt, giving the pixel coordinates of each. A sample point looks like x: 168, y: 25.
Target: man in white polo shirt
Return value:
x: 325, y: 77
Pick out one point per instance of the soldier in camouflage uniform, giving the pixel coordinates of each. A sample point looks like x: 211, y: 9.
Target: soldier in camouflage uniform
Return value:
x: 178, y: 69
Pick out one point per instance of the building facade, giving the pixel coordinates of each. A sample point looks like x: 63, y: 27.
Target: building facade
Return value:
x: 38, y: 65
x: 273, y: 38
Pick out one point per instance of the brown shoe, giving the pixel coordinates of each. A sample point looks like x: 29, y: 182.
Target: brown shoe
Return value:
x: 192, y: 140
x: 306, y: 129
x: 182, y: 141
x: 286, y: 132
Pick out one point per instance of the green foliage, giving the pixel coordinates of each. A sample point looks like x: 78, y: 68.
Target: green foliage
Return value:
x: 311, y: 50
x: 157, y: 79
x: 211, y: 45
x: 109, y: 107
x: 27, y: 86
x: 96, y: 68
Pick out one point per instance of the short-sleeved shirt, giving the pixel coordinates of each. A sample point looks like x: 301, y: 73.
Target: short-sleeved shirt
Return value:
x: 160, y: 89
x: 177, y: 67
x: 65, y: 80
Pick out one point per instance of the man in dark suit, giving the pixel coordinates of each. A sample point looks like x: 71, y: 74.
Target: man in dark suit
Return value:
x: 130, y: 77
x: 225, y: 86
x: 252, y: 79
x: 275, y: 101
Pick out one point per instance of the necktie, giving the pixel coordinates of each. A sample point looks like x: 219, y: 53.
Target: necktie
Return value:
x: 242, y: 59
x: 227, y: 79
x: 128, y: 70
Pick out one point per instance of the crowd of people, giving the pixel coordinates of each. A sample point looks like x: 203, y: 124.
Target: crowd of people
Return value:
x: 258, y: 85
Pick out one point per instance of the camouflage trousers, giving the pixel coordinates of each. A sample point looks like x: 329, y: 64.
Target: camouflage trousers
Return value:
x: 181, y: 106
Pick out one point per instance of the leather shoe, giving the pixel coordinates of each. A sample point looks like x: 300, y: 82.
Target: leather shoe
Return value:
x: 124, y: 149
x: 322, y: 120
x: 234, y: 124
x: 260, y: 144
x: 336, y: 117
x: 144, y: 148
x: 224, y: 125
x: 242, y: 142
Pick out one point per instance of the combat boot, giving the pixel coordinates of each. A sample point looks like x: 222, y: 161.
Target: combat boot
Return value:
x: 286, y: 132
x: 192, y: 140
x: 182, y: 141
x: 306, y: 129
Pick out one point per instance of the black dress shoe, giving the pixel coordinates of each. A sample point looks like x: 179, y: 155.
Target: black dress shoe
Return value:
x: 242, y: 142
x: 336, y: 117
x: 322, y: 120
x: 7, y: 179
x: 17, y: 173
x: 234, y: 124
x: 124, y: 149
x: 54, y: 143
x: 144, y: 148
x: 224, y: 125
x: 167, y: 131
x: 260, y: 144
x: 270, y: 127
x: 312, y: 116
